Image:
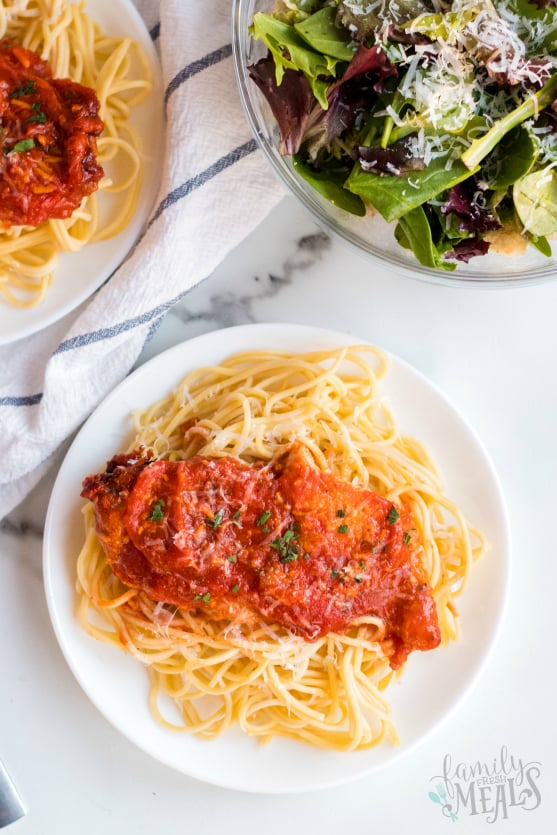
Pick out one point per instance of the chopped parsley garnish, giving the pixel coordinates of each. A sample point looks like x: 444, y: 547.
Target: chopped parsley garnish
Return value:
x: 284, y: 545
x: 23, y: 145
x: 157, y: 511
x: 236, y: 588
x: 37, y: 116
x: 204, y: 597
x: 217, y: 520
x: 232, y: 558
x: 407, y: 538
x: 25, y: 89
x: 263, y: 518
x: 393, y: 515
x: 363, y: 565
x: 343, y: 529
x: 334, y: 572
x: 236, y: 518
x: 341, y: 514
x: 357, y: 579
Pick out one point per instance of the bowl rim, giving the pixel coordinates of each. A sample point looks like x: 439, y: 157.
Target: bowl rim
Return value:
x: 242, y: 11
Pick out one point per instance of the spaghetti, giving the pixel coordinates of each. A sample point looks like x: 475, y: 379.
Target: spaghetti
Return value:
x: 206, y: 674
x: 62, y: 34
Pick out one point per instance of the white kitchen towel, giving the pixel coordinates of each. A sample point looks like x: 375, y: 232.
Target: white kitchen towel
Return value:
x: 215, y: 189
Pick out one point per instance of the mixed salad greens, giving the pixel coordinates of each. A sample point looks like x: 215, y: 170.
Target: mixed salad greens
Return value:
x: 441, y: 116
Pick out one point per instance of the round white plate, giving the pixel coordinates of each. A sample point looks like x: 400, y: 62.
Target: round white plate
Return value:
x: 79, y: 274
x: 434, y: 683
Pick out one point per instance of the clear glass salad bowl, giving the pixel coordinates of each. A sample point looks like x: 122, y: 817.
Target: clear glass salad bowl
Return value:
x: 371, y: 236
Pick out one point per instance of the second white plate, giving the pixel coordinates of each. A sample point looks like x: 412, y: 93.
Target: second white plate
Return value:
x: 79, y: 274
x: 433, y: 684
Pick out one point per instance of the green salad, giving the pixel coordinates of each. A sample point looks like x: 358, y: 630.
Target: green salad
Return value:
x: 440, y: 116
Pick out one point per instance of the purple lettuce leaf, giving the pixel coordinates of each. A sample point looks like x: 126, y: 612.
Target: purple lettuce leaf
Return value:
x: 291, y: 102
x: 472, y: 216
x: 466, y: 249
x: 396, y: 159
x: 357, y: 90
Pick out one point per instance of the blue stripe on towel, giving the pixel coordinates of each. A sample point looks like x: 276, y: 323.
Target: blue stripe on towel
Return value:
x: 203, y: 177
x: 28, y: 400
x: 197, y: 66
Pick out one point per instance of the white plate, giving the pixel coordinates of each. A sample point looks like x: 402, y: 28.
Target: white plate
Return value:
x: 434, y: 683
x: 79, y: 274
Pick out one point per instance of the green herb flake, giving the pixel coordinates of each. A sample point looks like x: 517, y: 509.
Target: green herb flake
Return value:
x: 407, y: 538
x: 284, y: 545
x: 157, y: 511
x: 341, y: 514
x: 343, y: 529
x: 393, y: 516
x: 236, y: 588
x: 334, y: 572
x: 25, y: 90
x: 204, y: 597
x: 37, y: 115
x: 357, y: 579
x: 363, y: 566
x: 263, y: 518
x: 23, y: 145
x: 232, y: 558
x: 216, y: 521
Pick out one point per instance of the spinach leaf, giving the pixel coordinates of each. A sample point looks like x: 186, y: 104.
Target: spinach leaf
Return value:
x: 321, y: 33
x: 395, y: 196
x: 329, y: 182
x: 413, y: 231
x: 512, y: 159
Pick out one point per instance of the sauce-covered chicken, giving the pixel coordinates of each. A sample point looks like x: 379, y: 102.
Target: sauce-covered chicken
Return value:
x: 48, y: 148
x: 282, y: 542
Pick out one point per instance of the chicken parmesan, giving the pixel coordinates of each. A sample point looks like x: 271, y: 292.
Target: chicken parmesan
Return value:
x: 285, y: 543
x: 48, y: 149
x: 71, y: 159
x: 273, y: 550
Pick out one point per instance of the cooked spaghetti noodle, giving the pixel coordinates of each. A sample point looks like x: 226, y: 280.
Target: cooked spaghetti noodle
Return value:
x: 62, y: 34
x: 329, y: 692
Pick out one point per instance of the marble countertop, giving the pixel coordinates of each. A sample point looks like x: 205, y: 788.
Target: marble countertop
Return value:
x: 494, y: 354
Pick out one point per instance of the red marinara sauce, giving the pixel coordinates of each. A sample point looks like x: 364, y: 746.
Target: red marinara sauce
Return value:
x: 48, y: 148
x: 285, y: 542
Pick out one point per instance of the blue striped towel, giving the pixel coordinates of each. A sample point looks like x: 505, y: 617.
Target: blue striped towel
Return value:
x: 215, y: 190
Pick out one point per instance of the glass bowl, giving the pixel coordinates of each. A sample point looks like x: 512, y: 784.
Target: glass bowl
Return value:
x: 371, y: 236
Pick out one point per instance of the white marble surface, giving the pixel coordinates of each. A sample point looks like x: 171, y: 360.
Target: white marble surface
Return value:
x: 494, y: 353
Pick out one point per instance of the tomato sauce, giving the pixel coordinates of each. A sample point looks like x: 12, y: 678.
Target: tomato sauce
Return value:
x: 48, y: 149
x: 284, y: 542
